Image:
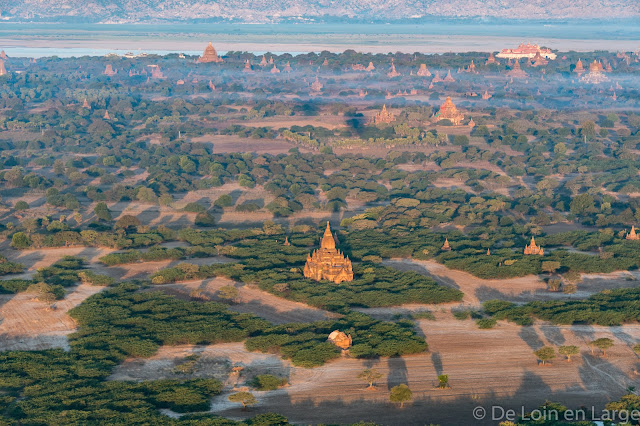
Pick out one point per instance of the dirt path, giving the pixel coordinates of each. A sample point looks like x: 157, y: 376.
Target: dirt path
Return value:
x: 29, y: 324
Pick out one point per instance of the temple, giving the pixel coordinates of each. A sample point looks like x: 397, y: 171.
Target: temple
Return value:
x: 209, y: 55
x: 316, y: 86
x: 516, y: 71
x: 446, y: 246
x: 383, y: 117
x: 86, y: 104
x: 533, y: 249
x: 275, y: 69
x: 449, y: 78
x: 632, y: 235
x: 3, y: 70
x: 596, y: 74
x: 370, y: 67
x: 471, y: 67
x: 328, y: 263
x: 106, y: 115
x: 392, y: 72
x: 579, y: 69
x: 108, y: 70
x: 448, y: 111
x: 526, y: 51
x: 491, y: 59
x: 247, y: 66
x: 423, y: 71
x: 287, y: 67
x: 486, y: 95
x: 539, y: 61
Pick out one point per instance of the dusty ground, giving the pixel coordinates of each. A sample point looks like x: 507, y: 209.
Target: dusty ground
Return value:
x: 30, y: 324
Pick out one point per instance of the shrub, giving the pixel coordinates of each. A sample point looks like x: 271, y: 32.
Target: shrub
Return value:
x: 266, y: 382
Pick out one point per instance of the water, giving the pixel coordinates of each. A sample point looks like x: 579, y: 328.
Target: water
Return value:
x: 65, y: 40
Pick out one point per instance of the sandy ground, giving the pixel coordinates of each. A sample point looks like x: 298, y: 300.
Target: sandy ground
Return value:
x: 230, y: 143
x: 250, y: 300
x: 29, y: 324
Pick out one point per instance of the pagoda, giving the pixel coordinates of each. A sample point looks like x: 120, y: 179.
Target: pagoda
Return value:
x: 108, y: 70
x: 212, y: 86
x: 85, y: 104
x: 595, y: 75
x: 392, y: 72
x: 471, y: 124
x: 209, y: 55
x: 3, y: 55
x: 632, y: 235
x: 449, y: 78
x: 3, y: 70
x: 287, y: 67
x: 316, y: 86
x: 328, y: 263
x: 446, y: 246
x: 539, y: 61
x: 486, y: 95
x: 383, y: 117
x: 156, y: 72
x: 533, y: 249
x: 491, y: 60
x: 516, y: 71
x: 358, y: 67
x: 106, y: 115
x: 472, y: 67
x: 286, y: 242
x: 608, y: 68
x: 370, y: 67
x: 275, y: 69
x: 448, y: 111
x: 325, y: 63
x: 526, y: 51
x: 579, y: 69
x: 437, y: 78
x: 247, y: 66
x: 423, y: 71
x: 271, y: 60
x: 263, y: 62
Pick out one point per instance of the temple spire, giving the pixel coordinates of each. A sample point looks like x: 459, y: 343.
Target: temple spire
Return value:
x: 327, y: 239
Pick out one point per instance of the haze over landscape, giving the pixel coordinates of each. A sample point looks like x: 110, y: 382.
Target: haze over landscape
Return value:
x: 320, y: 212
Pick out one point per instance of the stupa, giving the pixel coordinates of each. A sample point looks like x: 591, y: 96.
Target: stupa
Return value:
x: 370, y: 67
x: 449, y: 78
x: 275, y: 69
x: 286, y: 242
x: 471, y: 124
x: 595, y: 75
x: 392, y: 72
x: 156, y: 72
x: 209, y: 55
x: 263, y: 62
x: 437, y: 78
x: 108, y: 70
x: 486, y: 95
x: 86, y: 104
x: 446, y: 246
x: 328, y: 263
x: 212, y: 86
x: 491, y: 59
x: 608, y: 68
x: 287, y: 67
x: 316, y: 86
x: 448, y: 111
x: 247, y: 66
x: 516, y: 71
x: 358, y: 67
x: 579, y: 69
x: 106, y: 115
x: 3, y: 55
x: 632, y: 235
x: 423, y: 71
x: 533, y: 249
x: 383, y: 117
x: 471, y: 67
x: 325, y: 62
x: 539, y: 61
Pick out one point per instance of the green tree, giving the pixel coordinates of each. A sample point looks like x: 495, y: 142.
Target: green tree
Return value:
x: 569, y: 351
x: 21, y: 205
x: 128, y: 222
x: 636, y: 348
x: 224, y: 200
x: 560, y: 149
x: 20, y: 240
x: 603, y: 343
x: 545, y: 354
x: 550, y: 266
x: 583, y: 204
x: 443, y: 381
x: 245, y: 398
x: 228, y: 292
x: 370, y: 375
x: 102, y: 211
x: 400, y: 394
x: 588, y: 130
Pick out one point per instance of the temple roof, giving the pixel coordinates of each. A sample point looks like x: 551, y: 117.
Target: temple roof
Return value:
x: 327, y: 239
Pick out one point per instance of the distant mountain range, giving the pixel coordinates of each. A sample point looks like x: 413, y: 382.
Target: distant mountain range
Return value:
x: 278, y: 10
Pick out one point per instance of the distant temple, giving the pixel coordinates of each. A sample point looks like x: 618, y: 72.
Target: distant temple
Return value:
x: 392, y: 72
x: 486, y: 95
x: 3, y: 70
x: 328, y: 263
x: 516, y: 71
x: 156, y: 72
x: 275, y: 69
x: 209, y: 55
x: 471, y: 67
x: 263, y: 62
x: 491, y: 59
x: 423, y: 71
x: 286, y: 242
x: 358, y: 67
x: 526, y: 51
x: 533, y: 249
x: 449, y: 78
x: 448, y: 111
x: 596, y: 74
x: 106, y: 115
x: 3, y: 55
x: 446, y: 246
x: 383, y: 117
x: 579, y: 69
x: 316, y: 86
x: 287, y: 67
x: 539, y: 61
x: 436, y: 78
x: 247, y: 66
x: 108, y: 70
x: 370, y: 67
x: 632, y: 235
x: 86, y: 104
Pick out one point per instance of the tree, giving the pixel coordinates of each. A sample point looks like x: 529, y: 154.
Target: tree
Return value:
x: 370, y: 375
x: 550, y: 266
x: 603, y: 344
x: 244, y: 398
x: 560, y: 149
x: 443, y: 381
x: 545, y: 354
x: 568, y: 351
x: 20, y: 240
x: 401, y: 394
x: 583, y: 204
x: 588, y: 129
x: 127, y: 222
x: 21, y: 205
x: 224, y: 200
x: 102, y: 211
x: 636, y: 348
x: 228, y: 292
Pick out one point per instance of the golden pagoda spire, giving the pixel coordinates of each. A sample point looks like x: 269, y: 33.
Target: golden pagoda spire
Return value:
x: 327, y: 239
